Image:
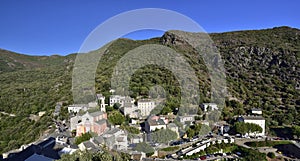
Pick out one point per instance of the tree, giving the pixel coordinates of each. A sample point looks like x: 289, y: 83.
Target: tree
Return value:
x: 296, y: 130
x: 198, y: 129
x: 204, y: 130
x: 271, y: 155
x: 163, y: 136
x: 109, y: 108
x: 253, y: 128
x: 82, y: 138
x: 144, y: 147
x: 190, y: 132
x: 116, y: 118
x: 116, y: 106
x: 243, y: 128
x: 166, y: 110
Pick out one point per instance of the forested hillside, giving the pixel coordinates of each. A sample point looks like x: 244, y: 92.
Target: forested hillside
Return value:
x: 262, y: 71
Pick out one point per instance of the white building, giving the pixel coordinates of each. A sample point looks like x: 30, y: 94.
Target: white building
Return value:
x: 187, y: 118
x: 209, y: 106
x: 101, y: 102
x: 155, y: 122
x: 146, y: 106
x: 113, y: 99
x: 130, y: 109
x: 256, y: 111
x: 259, y: 120
x: 77, y: 107
x: 120, y: 100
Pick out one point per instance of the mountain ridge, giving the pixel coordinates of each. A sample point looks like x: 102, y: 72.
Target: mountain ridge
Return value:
x: 262, y: 70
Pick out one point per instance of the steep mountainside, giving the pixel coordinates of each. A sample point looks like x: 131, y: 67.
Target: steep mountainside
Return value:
x: 262, y: 68
x: 11, y: 61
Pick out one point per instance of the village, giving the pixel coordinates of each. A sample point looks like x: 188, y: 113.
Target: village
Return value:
x: 124, y: 123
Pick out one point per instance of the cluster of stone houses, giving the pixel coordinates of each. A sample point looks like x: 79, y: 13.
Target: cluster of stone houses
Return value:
x: 140, y: 111
x: 127, y: 106
x: 100, y: 101
x: 96, y: 123
x: 113, y: 138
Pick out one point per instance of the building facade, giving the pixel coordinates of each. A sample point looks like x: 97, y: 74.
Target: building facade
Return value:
x: 259, y: 120
x: 146, y: 106
x: 89, y: 122
x: 77, y: 107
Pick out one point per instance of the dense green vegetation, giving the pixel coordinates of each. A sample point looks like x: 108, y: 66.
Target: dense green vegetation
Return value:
x: 130, y: 129
x: 11, y: 61
x: 170, y: 148
x: 99, y: 156
x: 116, y: 117
x: 296, y: 131
x: 82, y: 138
x: 267, y: 143
x: 198, y: 129
x: 144, y: 147
x: 163, y: 136
x: 250, y: 154
x: 246, y: 128
x: 271, y: 155
x: 262, y: 69
x: 16, y: 131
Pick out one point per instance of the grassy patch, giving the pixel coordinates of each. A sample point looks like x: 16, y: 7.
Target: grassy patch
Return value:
x: 267, y: 143
x: 170, y: 148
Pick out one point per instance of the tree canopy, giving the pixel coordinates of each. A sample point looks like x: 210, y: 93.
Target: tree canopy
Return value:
x: 163, y: 136
x: 246, y: 128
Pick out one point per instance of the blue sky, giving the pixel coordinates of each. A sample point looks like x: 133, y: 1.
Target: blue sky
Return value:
x: 49, y: 27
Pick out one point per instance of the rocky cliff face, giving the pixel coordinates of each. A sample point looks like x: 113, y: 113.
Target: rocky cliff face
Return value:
x: 262, y: 67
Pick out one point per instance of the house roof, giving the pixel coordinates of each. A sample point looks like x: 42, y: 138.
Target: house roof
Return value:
x: 256, y: 109
x: 36, y: 157
x: 120, y: 139
x: 43, y: 149
x: 102, y: 121
x: 253, y: 118
x: 172, y: 125
x: 145, y: 100
x: 74, y: 146
x: 113, y: 131
x: 209, y: 104
x: 88, y: 144
x: 156, y: 122
x: 79, y: 105
x: 98, y: 140
x: 187, y: 116
x: 97, y: 113
x: 116, y: 96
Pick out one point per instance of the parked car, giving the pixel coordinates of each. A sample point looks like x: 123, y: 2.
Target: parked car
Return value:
x: 202, y: 157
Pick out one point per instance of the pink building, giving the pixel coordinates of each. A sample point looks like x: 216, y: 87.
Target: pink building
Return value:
x: 91, y: 122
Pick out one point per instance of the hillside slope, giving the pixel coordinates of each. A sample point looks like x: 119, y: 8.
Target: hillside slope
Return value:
x: 262, y: 67
x: 11, y: 61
